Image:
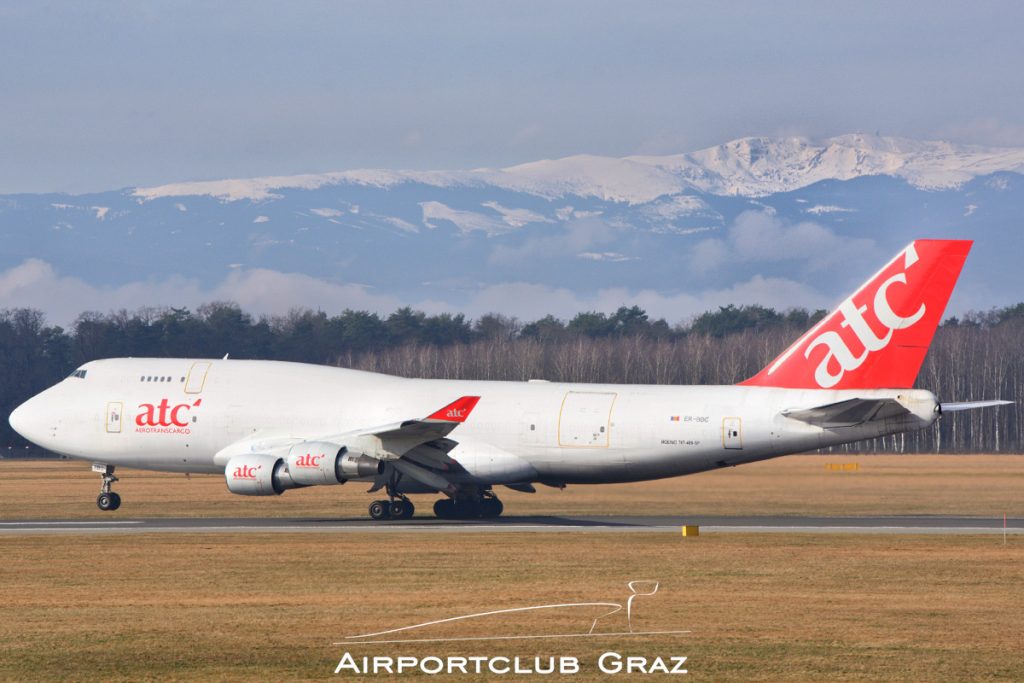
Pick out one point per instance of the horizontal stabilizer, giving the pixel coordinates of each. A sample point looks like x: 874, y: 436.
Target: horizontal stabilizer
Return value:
x: 954, y: 406
x: 849, y: 413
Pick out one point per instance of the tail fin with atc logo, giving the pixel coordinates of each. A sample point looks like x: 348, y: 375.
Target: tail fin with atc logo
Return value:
x: 878, y: 337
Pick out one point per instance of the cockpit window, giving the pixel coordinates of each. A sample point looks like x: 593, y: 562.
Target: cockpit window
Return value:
x: 78, y: 373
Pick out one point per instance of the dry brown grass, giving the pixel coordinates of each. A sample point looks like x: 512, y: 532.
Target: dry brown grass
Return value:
x: 983, y: 485
x: 760, y: 607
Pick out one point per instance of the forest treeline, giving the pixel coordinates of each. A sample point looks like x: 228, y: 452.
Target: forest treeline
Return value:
x: 978, y: 356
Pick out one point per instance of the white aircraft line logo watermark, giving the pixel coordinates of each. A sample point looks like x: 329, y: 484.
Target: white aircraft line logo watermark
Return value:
x: 635, y: 592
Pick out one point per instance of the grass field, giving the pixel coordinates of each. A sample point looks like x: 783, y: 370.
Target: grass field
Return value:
x: 982, y: 485
x: 772, y: 607
x: 760, y: 607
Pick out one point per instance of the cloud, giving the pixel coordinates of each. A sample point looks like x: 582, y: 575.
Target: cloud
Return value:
x: 35, y: 284
x: 573, y: 237
x: 613, y: 256
x: 761, y: 237
x: 327, y: 213
x: 529, y: 301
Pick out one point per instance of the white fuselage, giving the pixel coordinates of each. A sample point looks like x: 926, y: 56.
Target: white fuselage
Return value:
x: 185, y: 415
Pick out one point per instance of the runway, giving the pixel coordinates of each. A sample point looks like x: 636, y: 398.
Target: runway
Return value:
x: 926, y: 524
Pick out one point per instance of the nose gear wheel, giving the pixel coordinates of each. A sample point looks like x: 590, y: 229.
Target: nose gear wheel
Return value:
x: 108, y: 501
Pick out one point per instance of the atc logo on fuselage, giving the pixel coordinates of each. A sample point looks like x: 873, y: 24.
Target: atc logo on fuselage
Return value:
x: 163, y: 418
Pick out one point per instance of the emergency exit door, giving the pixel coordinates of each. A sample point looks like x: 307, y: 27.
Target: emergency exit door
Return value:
x: 732, y: 433
x: 114, y: 410
x: 197, y: 377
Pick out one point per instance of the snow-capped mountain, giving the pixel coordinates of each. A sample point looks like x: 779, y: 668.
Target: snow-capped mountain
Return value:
x: 748, y: 167
x: 778, y: 221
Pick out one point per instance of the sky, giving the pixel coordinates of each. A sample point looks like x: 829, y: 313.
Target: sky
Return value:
x: 103, y: 95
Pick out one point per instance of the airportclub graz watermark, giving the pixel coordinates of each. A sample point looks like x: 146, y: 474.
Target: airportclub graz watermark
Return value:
x: 609, y: 662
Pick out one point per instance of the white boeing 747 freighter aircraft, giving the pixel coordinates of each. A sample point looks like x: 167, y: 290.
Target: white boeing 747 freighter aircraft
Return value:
x: 271, y: 426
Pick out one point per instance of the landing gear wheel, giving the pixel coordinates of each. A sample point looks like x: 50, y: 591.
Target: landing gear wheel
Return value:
x: 444, y: 509
x: 379, y: 510
x: 108, y: 501
x: 396, y: 509
x: 467, y: 508
x: 492, y: 507
x: 408, y: 509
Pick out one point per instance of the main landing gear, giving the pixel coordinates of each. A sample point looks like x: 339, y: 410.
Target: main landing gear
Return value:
x: 397, y: 508
x: 486, y: 506
x: 108, y: 501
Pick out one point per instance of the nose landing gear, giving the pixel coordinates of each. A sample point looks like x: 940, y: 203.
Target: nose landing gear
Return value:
x: 108, y: 501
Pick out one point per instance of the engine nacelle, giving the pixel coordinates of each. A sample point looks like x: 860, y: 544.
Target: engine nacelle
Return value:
x: 256, y: 474
x: 313, y: 463
x: 357, y: 465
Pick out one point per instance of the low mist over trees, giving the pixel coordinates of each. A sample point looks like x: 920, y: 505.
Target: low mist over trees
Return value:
x: 974, y: 357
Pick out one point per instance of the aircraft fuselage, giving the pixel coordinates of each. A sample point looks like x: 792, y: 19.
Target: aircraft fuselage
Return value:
x: 185, y: 415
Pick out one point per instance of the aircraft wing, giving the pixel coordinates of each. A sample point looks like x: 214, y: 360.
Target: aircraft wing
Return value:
x: 848, y: 413
x: 423, y: 437
x: 402, y: 437
x: 418, y: 449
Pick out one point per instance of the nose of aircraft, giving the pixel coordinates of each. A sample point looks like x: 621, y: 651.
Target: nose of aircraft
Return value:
x: 27, y: 419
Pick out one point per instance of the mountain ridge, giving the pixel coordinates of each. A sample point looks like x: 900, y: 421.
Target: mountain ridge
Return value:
x: 674, y: 234
x: 746, y: 167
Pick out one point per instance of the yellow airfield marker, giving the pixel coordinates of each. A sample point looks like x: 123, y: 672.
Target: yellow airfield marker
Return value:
x: 691, y: 530
x: 842, y: 466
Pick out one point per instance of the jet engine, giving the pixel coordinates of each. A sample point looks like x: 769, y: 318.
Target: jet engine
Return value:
x: 256, y: 474
x: 312, y: 462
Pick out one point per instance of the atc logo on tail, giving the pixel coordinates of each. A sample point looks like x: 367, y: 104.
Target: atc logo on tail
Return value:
x: 879, y: 336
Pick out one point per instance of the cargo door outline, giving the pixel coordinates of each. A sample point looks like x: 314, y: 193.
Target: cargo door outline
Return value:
x: 115, y: 410
x: 732, y: 433
x: 196, y: 379
x: 584, y: 420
